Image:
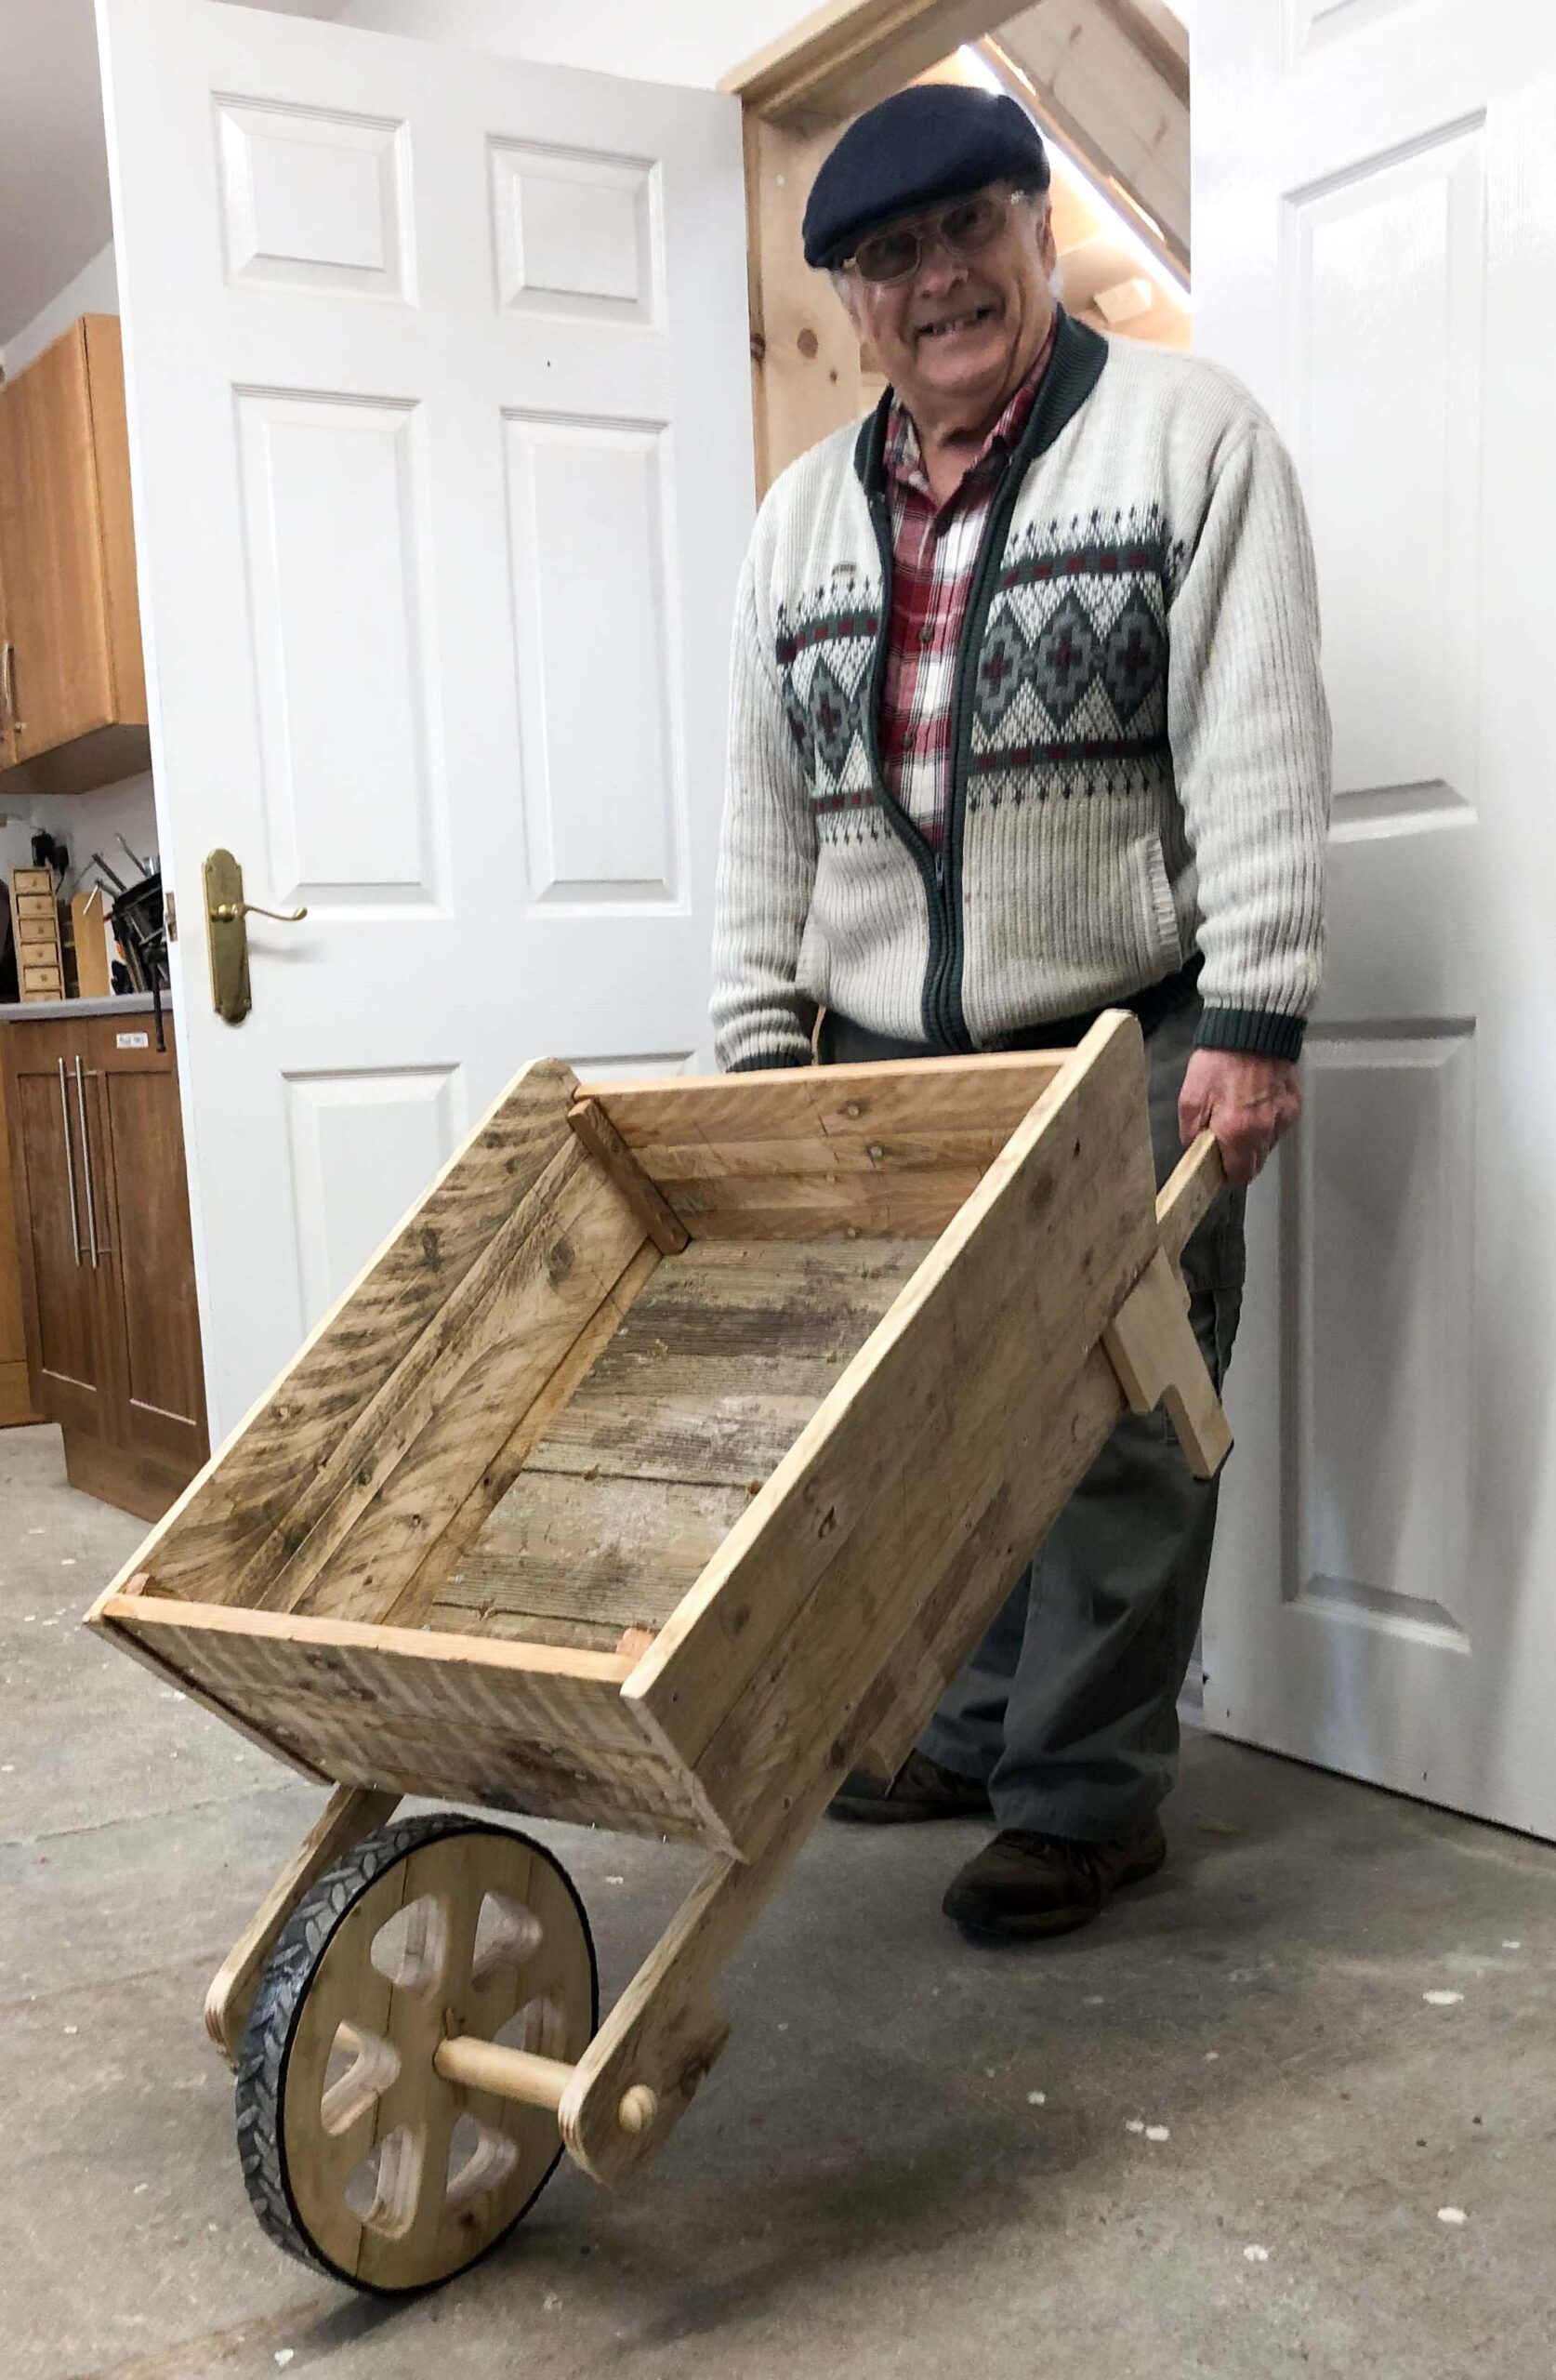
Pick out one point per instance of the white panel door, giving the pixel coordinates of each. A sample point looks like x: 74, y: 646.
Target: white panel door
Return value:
x: 441, y: 430
x: 1375, y: 253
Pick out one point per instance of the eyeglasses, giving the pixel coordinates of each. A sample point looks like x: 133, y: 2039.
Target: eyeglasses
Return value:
x: 971, y: 224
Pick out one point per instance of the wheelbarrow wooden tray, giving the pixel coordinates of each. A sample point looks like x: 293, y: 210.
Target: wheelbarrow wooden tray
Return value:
x: 775, y: 1379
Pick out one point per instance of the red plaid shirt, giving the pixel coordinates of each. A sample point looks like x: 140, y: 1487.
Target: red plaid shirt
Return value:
x: 934, y: 551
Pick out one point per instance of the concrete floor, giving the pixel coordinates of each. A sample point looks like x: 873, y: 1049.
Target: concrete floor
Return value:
x: 871, y: 2185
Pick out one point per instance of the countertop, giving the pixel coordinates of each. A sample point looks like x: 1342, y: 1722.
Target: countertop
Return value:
x: 126, y: 1004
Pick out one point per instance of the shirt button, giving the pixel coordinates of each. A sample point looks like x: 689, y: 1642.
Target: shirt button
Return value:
x: 926, y: 634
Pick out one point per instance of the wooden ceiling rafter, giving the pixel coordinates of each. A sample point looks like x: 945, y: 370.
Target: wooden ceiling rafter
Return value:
x: 850, y: 52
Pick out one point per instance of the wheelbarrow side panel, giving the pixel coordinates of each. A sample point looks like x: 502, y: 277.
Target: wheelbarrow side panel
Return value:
x: 237, y: 1527
x: 923, y: 1467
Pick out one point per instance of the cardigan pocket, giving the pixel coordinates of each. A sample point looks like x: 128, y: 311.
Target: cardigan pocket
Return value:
x: 1159, y: 910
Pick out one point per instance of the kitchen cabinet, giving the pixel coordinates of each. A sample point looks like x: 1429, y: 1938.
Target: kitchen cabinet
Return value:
x: 107, y: 1265
x: 73, y: 686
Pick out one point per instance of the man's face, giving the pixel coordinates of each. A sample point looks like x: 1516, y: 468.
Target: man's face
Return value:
x: 960, y: 329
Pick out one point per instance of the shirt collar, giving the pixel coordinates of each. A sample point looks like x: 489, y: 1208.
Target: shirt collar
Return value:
x: 904, y: 460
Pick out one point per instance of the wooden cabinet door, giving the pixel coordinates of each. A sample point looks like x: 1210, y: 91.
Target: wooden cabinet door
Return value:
x: 142, y: 1209
x: 56, y: 596
x: 74, y: 679
x: 63, y: 1293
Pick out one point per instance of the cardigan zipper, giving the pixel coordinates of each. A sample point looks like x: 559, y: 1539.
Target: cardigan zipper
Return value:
x: 930, y: 864
x: 1073, y: 370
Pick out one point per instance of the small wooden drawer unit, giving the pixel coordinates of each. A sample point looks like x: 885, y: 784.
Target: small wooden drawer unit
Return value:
x: 36, y: 923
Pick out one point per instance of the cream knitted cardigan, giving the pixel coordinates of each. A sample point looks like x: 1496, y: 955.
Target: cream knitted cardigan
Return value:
x: 1142, y: 744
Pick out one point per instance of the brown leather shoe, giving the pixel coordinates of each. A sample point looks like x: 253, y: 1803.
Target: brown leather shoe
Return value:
x: 920, y: 1790
x: 1025, y: 1886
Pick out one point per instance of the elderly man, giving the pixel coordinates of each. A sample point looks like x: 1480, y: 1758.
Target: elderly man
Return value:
x: 1026, y: 723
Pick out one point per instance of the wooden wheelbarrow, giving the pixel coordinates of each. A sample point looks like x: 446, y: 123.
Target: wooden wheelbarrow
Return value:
x: 664, y: 1465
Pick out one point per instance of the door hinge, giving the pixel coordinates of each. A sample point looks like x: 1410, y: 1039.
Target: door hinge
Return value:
x: 170, y: 916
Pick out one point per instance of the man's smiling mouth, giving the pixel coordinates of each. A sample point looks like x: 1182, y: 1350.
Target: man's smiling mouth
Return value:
x: 968, y: 320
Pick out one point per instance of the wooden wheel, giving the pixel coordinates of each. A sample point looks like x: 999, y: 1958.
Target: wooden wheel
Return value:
x: 358, y: 2156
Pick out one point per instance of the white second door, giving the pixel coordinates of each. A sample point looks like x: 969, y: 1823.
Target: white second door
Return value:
x: 441, y: 441
x: 1375, y: 253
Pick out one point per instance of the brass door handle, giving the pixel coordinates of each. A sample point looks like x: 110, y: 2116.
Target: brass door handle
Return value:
x: 225, y: 911
x: 227, y: 934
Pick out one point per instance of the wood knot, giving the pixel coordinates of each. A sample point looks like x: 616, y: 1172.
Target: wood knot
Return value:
x: 808, y: 344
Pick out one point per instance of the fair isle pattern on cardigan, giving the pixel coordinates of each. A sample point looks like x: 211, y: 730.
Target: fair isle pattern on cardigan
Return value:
x: 1140, y: 761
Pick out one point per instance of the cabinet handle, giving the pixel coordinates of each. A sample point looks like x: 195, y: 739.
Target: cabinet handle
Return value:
x: 7, y: 684
x: 69, y: 1160
x: 86, y: 1164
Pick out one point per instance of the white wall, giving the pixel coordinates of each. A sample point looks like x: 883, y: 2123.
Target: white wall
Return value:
x: 693, y: 41
x: 95, y: 290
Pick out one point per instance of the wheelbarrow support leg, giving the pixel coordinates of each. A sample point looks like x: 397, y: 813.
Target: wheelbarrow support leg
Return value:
x: 348, y: 1816
x: 664, y: 2033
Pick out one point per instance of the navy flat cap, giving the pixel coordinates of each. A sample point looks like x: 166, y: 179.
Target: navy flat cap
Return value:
x: 931, y: 141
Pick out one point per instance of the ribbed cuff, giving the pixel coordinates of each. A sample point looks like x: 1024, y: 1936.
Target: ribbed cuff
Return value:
x: 770, y: 1063
x: 1253, y: 1032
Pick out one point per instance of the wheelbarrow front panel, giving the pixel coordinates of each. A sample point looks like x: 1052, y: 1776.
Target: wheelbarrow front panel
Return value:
x: 928, y: 1474
x: 454, y: 1717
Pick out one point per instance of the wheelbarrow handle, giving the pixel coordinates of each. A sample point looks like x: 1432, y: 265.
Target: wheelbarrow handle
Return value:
x: 1181, y: 1206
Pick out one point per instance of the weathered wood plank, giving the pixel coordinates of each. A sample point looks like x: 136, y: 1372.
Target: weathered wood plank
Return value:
x: 868, y: 1102
x: 820, y: 1580
x: 526, y: 1628
x: 615, y: 1552
x: 688, y: 1161
x: 413, y: 1604
x: 604, y: 1143
x: 808, y: 1205
x: 205, y: 1545
x: 893, y: 1149
x: 780, y: 1299
x: 724, y: 1361
x: 582, y: 1235
x: 522, y: 1726
x: 950, y: 1623
x: 632, y: 1489
x: 696, y: 1438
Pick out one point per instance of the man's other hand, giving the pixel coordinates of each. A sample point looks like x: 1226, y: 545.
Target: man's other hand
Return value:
x: 1248, y: 1103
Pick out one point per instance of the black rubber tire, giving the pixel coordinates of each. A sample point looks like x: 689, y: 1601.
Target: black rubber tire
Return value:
x: 272, y: 2024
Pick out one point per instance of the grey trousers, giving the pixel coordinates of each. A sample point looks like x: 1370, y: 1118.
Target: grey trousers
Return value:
x: 1069, y: 1706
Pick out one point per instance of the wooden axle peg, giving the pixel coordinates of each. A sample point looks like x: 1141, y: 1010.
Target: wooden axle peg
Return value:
x: 537, y: 2081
